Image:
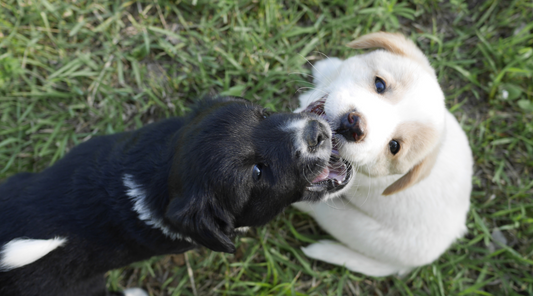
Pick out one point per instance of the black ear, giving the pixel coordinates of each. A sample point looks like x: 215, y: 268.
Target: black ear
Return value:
x: 201, y: 219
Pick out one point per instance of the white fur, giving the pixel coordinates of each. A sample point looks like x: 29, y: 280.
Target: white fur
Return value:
x: 138, y: 196
x: 242, y: 229
x: 383, y: 235
x: 135, y: 292
x: 21, y: 251
x: 297, y: 128
x: 295, y: 125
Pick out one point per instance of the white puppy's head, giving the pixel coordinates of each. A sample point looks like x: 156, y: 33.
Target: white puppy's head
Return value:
x: 385, y: 107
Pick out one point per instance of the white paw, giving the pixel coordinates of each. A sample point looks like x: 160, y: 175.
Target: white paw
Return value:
x: 338, y: 254
x: 135, y: 292
x: 321, y: 250
x: 303, y: 206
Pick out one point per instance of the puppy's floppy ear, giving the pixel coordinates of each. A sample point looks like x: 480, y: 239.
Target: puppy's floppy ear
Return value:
x: 418, y: 173
x: 395, y: 43
x: 201, y: 219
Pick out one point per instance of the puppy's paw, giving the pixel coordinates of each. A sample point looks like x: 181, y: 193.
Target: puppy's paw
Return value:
x: 303, y: 206
x: 338, y: 254
x: 323, y: 250
x: 135, y: 292
x: 322, y: 70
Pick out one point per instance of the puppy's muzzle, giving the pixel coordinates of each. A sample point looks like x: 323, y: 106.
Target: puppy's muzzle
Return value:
x: 315, y: 135
x: 352, y: 127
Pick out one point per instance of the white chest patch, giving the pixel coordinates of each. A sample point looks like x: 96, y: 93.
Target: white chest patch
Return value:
x: 22, y: 251
x: 138, y: 197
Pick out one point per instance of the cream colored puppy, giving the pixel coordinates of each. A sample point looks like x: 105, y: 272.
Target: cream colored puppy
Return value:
x: 409, y: 198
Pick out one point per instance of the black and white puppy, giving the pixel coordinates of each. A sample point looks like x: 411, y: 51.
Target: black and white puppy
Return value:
x: 162, y: 189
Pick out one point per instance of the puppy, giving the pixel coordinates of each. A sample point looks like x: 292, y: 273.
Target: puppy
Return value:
x: 163, y: 189
x: 409, y: 199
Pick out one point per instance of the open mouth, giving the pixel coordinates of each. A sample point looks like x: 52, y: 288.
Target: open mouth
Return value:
x: 338, y: 171
x: 333, y: 177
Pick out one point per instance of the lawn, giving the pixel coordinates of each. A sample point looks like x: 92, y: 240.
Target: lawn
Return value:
x: 71, y: 70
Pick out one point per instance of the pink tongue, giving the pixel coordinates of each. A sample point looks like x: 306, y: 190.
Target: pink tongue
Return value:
x: 323, y: 176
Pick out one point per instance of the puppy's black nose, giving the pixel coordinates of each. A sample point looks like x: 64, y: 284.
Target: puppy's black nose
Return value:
x: 315, y: 134
x: 352, y: 127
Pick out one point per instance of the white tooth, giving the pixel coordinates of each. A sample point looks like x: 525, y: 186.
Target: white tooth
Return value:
x: 312, y: 188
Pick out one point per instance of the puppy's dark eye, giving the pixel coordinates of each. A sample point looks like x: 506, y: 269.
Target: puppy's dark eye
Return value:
x: 380, y: 85
x: 257, y: 171
x: 394, y: 147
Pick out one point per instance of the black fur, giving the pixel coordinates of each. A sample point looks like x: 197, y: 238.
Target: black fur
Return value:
x: 196, y: 174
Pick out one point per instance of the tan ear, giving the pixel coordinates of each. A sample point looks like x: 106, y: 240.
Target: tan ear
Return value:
x: 418, y: 173
x: 395, y: 43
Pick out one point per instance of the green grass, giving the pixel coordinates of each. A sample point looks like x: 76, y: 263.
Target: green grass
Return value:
x: 70, y: 70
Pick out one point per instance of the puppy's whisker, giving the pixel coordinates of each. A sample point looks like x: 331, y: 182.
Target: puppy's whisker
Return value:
x: 311, y: 88
x: 329, y: 79
x: 305, y: 176
x: 331, y: 203
x: 300, y: 73
x: 304, y: 74
x: 323, y: 54
x: 313, y: 66
x: 309, y: 62
x: 311, y: 171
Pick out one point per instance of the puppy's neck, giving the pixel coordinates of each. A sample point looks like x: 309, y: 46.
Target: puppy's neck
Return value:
x: 365, y: 183
x: 144, y: 209
x: 146, y: 176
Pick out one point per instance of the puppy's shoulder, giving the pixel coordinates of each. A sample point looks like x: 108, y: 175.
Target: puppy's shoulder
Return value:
x: 14, y: 181
x: 209, y: 102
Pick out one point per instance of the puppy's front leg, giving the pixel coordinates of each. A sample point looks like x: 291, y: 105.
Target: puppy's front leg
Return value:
x: 363, y: 239
x: 135, y: 292
x: 336, y: 253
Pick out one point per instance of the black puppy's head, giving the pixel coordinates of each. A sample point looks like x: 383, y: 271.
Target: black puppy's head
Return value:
x: 237, y: 165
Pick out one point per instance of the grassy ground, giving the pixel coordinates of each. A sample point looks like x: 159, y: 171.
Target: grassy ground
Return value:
x: 73, y: 69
